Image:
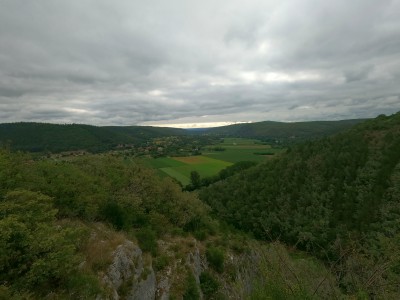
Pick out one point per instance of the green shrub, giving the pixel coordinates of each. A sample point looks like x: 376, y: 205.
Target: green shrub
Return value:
x: 5, y: 293
x: 178, y: 232
x: 35, y: 253
x: 215, y: 257
x: 147, y: 240
x: 279, y: 291
x: 238, y: 247
x: 161, y: 262
x: 114, y: 214
x: 84, y: 286
x: 191, y: 290
x: 159, y: 223
x: 200, y: 235
x: 209, y: 285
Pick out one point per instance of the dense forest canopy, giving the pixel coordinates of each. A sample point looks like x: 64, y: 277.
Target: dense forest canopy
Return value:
x: 329, y: 197
x: 40, y: 137
x: 43, y: 204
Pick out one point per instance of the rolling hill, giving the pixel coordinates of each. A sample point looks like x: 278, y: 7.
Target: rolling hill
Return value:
x: 296, y: 131
x: 38, y: 137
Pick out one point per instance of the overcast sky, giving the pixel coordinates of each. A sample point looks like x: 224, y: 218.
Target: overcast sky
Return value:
x: 124, y: 62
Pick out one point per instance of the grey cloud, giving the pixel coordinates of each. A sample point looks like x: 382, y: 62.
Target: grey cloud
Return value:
x: 130, y: 62
x: 10, y: 92
x: 357, y: 74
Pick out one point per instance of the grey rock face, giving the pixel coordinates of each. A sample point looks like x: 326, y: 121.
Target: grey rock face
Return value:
x: 128, y: 277
x: 163, y: 288
x: 194, y: 262
x: 144, y: 289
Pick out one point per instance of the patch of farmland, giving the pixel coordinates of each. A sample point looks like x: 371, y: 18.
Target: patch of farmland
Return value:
x: 163, y: 162
x: 181, y: 167
x: 172, y: 172
x: 238, y: 149
x: 206, y: 167
x: 212, y: 161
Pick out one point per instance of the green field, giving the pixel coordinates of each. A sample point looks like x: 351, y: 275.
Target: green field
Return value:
x: 238, y: 149
x: 181, y: 167
x: 212, y: 161
x: 174, y: 173
x: 163, y: 162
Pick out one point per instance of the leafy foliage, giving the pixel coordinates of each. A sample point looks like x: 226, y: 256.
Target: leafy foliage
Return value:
x: 331, y: 197
x: 161, y: 262
x: 195, y: 179
x: 35, y: 252
x: 216, y: 257
x: 147, y: 240
x: 39, y: 137
x: 191, y: 291
x: 38, y: 254
x: 209, y: 285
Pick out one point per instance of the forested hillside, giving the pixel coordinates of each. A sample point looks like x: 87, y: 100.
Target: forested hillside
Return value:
x: 338, y: 198
x: 106, y: 227
x: 42, y: 137
x: 284, y: 132
x: 51, y: 240
x: 101, y: 227
x: 39, y: 137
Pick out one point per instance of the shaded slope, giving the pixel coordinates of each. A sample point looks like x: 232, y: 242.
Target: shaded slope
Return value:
x: 338, y: 181
x: 333, y: 197
x: 145, y: 132
x: 55, y: 138
x: 286, y: 131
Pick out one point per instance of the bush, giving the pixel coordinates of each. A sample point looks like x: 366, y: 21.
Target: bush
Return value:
x: 159, y: 223
x: 147, y: 240
x: 114, y: 214
x: 161, y: 262
x: 191, y: 291
x: 215, y: 257
x: 85, y: 286
x: 35, y: 253
x: 209, y: 285
x: 280, y: 291
x: 200, y: 235
x: 178, y: 232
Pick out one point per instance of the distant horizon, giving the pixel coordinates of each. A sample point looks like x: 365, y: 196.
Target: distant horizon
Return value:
x: 221, y: 124
x: 198, y: 125
x: 188, y: 125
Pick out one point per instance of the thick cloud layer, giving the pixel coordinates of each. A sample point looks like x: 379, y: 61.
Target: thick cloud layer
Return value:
x: 130, y: 62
